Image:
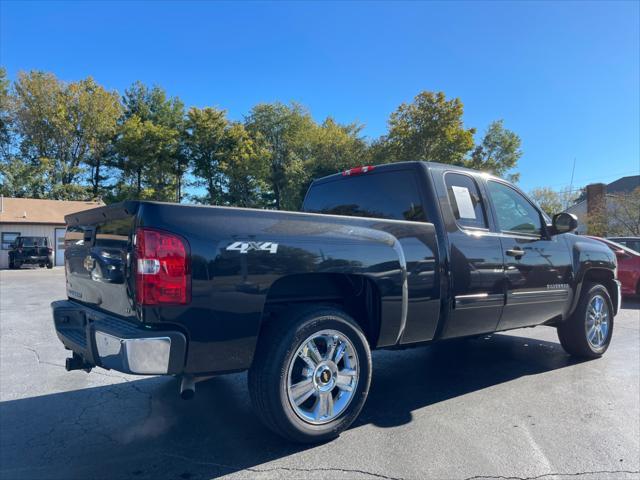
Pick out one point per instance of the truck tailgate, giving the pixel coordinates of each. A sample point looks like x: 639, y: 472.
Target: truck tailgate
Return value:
x: 98, y: 252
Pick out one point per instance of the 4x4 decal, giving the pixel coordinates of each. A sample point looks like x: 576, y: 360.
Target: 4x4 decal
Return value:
x: 246, y: 247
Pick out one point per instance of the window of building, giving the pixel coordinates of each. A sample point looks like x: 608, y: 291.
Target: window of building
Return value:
x: 8, y: 238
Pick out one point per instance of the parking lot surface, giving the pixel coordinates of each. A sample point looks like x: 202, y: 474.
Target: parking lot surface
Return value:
x: 507, y: 406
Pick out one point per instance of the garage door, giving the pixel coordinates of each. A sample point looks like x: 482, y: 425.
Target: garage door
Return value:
x: 60, y: 246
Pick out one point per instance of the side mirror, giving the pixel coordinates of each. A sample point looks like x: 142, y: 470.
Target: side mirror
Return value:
x: 564, y: 223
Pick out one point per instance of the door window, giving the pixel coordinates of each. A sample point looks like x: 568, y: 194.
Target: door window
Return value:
x: 465, y: 201
x: 515, y: 213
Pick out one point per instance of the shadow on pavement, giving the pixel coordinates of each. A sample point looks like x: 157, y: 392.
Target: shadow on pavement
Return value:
x: 141, y: 429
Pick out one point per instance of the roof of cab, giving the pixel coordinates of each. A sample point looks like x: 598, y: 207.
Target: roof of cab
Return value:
x: 399, y: 166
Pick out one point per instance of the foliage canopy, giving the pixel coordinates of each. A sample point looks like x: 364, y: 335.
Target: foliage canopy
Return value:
x: 77, y: 140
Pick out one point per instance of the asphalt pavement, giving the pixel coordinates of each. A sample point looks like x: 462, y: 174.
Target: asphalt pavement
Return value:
x: 511, y: 405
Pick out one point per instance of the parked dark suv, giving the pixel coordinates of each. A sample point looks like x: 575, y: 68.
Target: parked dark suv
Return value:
x: 31, y: 250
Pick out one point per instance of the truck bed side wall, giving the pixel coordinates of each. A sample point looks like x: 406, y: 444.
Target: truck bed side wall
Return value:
x: 238, y: 254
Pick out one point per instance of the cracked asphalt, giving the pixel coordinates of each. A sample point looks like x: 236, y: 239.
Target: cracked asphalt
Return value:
x: 510, y: 406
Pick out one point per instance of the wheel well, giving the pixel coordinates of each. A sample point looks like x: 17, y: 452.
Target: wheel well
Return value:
x: 604, y: 277
x: 355, y: 294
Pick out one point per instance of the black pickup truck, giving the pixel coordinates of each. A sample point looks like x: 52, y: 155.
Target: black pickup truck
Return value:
x: 30, y: 250
x: 382, y: 257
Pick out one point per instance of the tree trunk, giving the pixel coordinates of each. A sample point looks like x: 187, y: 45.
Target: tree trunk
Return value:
x: 276, y: 193
x: 96, y: 179
x: 211, y: 190
x: 139, y: 183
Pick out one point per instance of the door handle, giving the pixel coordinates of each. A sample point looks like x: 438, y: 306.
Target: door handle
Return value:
x: 515, y: 252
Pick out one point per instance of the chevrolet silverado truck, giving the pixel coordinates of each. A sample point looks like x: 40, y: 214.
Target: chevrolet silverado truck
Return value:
x: 380, y: 257
x: 30, y: 251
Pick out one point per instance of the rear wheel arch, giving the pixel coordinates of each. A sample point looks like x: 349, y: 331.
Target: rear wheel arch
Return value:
x: 356, y: 295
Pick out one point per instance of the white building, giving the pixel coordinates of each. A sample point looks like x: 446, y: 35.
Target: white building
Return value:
x: 38, y: 218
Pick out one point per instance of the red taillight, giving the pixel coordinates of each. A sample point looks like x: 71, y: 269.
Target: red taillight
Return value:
x: 358, y: 170
x: 49, y: 250
x: 163, y: 273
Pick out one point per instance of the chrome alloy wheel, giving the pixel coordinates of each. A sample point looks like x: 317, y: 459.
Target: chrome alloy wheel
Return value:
x: 322, y: 377
x: 597, y: 322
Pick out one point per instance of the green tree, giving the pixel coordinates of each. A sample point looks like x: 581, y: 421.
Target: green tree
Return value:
x: 99, y: 112
x: 205, y: 139
x: 285, y: 131
x: 63, y: 126
x: 336, y: 147
x: 25, y: 179
x: 5, y: 115
x: 148, y: 153
x: 498, y: 152
x: 333, y: 148
x: 245, y: 166
x: 552, y: 201
x: 149, y: 146
x: 430, y: 128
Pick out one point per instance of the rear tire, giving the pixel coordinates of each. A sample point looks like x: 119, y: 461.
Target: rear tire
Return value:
x: 587, y: 333
x: 308, y: 394
x: 49, y: 265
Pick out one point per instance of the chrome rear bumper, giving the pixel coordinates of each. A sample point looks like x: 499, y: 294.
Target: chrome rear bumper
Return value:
x: 113, y: 343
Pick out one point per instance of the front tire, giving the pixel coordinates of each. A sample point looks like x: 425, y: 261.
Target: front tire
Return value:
x: 587, y: 333
x: 311, y: 374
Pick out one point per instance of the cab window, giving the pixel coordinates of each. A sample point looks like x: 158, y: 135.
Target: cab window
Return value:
x: 465, y: 201
x: 390, y: 194
x: 514, y: 212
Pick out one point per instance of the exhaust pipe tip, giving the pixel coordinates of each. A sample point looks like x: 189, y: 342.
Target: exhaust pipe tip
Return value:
x: 187, y: 387
x: 187, y: 394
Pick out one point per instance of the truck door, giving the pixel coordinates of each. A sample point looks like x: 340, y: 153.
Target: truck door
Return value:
x: 475, y: 257
x: 537, y: 267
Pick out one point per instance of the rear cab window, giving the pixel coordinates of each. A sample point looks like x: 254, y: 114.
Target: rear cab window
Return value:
x: 386, y: 194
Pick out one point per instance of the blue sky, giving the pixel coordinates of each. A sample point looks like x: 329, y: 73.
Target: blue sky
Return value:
x: 564, y: 76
